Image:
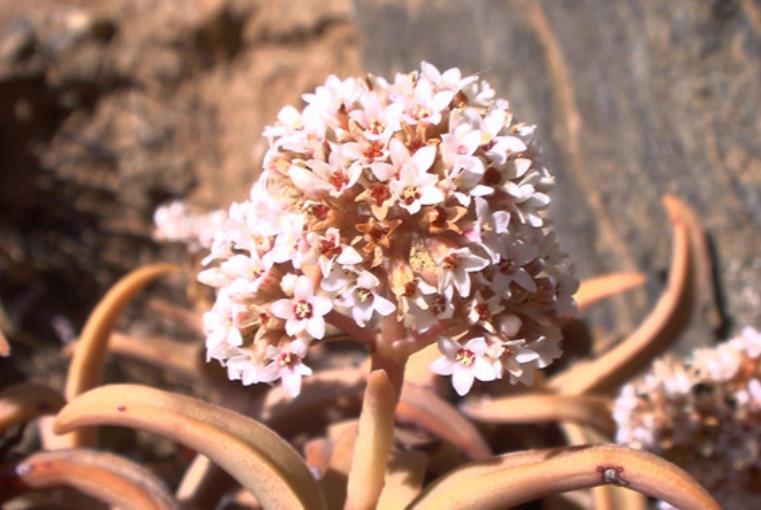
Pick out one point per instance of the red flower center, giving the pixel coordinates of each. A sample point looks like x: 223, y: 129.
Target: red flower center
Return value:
x: 302, y: 310
x: 465, y: 357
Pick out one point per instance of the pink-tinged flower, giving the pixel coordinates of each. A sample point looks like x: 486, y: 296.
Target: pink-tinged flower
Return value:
x: 489, y: 229
x: 363, y: 301
x: 456, y: 267
x: 415, y: 187
x: 511, y: 269
x: 425, y: 105
x: 519, y: 361
x: 420, y: 200
x: 399, y: 155
x: 379, y: 121
x: 481, y: 312
x: 336, y: 93
x: 220, y: 324
x: 244, y: 366
x: 287, y: 365
x: 327, y: 249
x: 245, y: 271
x: 451, y: 79
x: 334, y: 177
x: 429, y: 305
x: 464, y: 363
x: 458, y: 146
x: 302, y: 132
x: 305, y: 311
x: 288, y: 241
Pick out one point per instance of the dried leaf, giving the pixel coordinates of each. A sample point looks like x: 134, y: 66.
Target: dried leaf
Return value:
x: 22, y: 402
x: 250, y: 452
x: 657, y: 331
x: 598, y: 288
x: 565, y: 469
x: 373, y: 444
x: 435, y: 415
x: 110, y: 478
x: 593, y: 411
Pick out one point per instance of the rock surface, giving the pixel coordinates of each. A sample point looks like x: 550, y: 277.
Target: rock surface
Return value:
x: 108, y: 109
x: 633, y: 100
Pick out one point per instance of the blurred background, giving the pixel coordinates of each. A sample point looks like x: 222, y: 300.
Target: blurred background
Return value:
x: 111, y: 108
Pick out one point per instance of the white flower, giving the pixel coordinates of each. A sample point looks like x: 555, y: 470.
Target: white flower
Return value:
x: 363, y: 301
x: 425, y: 105
x: 327, y: 249
x: 399, y: 154
x: 451, y: 79
x: 336, y: 176
x: 517, y: 255
x: 483, y: 311
x: 456, y: 267
x: 457, y: 147
x: 287, y: 366
x: 329, y: 98
x: 419, y: 200
x: 243, y: 366
x: 220, y: 324
x: 415, y: 187
x: 245, y: 272
x: 489, y: 228
x: 518, y: 360
x: 379, y: 121
x: 433, y: 304
x: 464, y: 363
x: 288, y: 241
x: 305, y: 312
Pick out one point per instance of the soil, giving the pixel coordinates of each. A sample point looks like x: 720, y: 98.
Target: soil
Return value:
x: 109, y: 109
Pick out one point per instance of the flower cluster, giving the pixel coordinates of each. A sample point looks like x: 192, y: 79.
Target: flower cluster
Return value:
x: 176, y: 224
x: 703, y: 414
x: 418, y: 201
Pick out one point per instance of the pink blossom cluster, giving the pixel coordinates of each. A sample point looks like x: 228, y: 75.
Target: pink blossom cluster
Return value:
x: 703, y: 414
x: 175, y: 223
x: 418, y: 202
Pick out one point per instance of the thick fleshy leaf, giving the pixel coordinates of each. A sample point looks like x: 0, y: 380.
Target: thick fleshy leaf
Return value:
x: 661, y: 327
x: 5, y: 347
x: 430, y: 412
x: 158, y: 351
x: 539, y: 407
x: 373, y: 444
x: 602, y: 496
x: 86, y: 369
x: 404, y: 480
x: 22, y: 402
x: 600, y: 287
x: 560, y: 470
x: 192, y: 320
x: 250, y: 452
x: 110, y: 478
x: 203, y: 484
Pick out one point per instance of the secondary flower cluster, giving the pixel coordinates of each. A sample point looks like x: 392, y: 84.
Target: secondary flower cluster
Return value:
x: 176, y: 224
x: 703, y: 414
x: 418, y: 201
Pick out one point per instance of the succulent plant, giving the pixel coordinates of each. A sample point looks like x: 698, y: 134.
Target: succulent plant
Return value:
x: 406, y: 217
x: 704, y: 414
